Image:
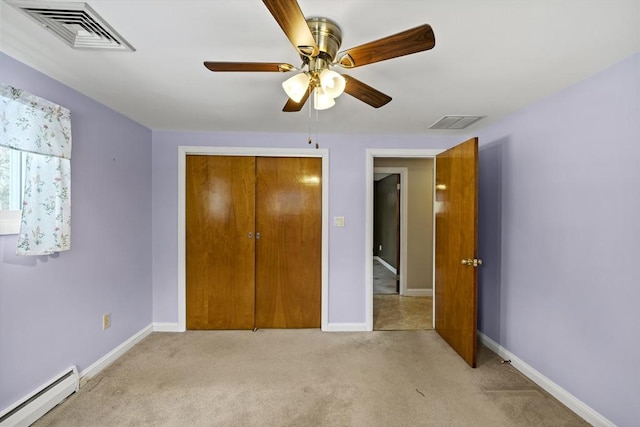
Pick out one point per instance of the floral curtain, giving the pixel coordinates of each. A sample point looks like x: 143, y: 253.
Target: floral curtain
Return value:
x: 42, y: 131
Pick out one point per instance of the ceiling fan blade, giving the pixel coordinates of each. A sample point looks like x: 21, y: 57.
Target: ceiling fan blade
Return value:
x: 292, y: 21
x: 365, y: 93
x: 248, y: 66
x: 407, y: 42
x: 291, y: 106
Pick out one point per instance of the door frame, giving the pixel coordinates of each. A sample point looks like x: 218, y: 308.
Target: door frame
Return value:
x: 404, y: 185
x: 183, y: 151
x: 396, y: 153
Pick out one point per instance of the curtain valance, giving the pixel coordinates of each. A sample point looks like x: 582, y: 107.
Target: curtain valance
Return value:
x: 33, y: 124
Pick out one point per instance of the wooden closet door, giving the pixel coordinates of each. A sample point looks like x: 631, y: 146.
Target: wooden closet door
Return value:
x: 288, y: 261
x: 220, y: 254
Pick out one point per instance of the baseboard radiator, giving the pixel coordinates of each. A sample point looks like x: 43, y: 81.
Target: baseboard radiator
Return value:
x: 42, y: 400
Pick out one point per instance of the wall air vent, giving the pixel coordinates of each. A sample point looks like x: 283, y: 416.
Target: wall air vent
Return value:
x: 455, y: 122
x: 74, y: 23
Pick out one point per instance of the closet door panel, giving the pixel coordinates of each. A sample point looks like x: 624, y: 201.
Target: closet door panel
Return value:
x: 220, y: 253
x: 288, y: 252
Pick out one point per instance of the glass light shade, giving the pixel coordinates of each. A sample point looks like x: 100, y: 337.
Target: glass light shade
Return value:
x: 296, y: 86
x: 332, y: 83
x: 321, y: 101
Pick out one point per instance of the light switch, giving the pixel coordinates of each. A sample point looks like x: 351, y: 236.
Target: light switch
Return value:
x: 338, y: 221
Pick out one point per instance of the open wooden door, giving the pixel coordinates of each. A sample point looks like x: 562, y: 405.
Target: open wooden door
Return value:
x: 397, y: 258
x: 456, y: 274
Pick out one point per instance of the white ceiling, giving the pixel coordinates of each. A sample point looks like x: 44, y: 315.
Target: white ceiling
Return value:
x: 492, y: 57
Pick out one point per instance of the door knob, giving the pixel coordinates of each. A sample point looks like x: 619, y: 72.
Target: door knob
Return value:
x: 472, y: 262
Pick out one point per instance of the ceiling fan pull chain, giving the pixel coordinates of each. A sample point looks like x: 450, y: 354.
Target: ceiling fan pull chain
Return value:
x: 309, y: 125
x: 317, y: 128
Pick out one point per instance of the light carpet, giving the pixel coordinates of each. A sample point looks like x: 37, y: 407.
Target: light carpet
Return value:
x: 306, y: 378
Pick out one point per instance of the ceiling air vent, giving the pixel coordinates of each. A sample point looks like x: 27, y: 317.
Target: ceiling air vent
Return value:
x: 75, y: 23
x: 455, y: 122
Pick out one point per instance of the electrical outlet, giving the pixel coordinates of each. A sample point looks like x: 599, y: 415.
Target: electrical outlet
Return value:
x: 106, y: 321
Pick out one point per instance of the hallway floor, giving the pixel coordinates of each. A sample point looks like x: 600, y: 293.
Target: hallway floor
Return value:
x: 398, y: 313
x: 384, y: 281
x: 392, y: 312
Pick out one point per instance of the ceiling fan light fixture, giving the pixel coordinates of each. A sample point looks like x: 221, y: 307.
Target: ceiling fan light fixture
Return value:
x: 296, y: 86
x: 318, y: 40
x: 332, y: 83
x: 322, y: 101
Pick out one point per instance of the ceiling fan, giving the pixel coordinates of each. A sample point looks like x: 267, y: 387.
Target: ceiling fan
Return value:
x: 318, y: 40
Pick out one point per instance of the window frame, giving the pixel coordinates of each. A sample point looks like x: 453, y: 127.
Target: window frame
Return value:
x: 10, y: 218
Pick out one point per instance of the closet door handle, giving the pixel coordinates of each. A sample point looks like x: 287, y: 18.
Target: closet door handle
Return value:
x: 472, y: 262
x: 250, y: 235
x: 258, y: 236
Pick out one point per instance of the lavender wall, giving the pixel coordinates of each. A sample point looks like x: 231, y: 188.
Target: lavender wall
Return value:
x: 560, y: 232
x: 347, y: 188
x: 51, y: 306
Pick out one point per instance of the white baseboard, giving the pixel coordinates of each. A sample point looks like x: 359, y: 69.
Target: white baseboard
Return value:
x: 346, y: 327
x: 418, y: 293
x: 167, y: 327
x: 570, y: 401
x: 386, y: 264
x: 113, y: 355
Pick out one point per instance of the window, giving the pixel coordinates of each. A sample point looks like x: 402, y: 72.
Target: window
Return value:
x: 11, y: 180
x: 41, y: 130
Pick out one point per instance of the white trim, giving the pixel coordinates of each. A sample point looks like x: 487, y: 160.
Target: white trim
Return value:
x: 10, y: 222
x: 10, y: 219
x: 385, y: 264
x: 370, y: 154
x: 418, y: 293
x: 113, y: 355
x: 587, y: 413
x: 183, y: 151
x: 404, y: 153
x: 346, y: 327
x: 166, y: 327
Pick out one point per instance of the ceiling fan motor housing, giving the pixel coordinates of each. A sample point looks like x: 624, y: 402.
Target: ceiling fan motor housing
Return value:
x: 328, y: 37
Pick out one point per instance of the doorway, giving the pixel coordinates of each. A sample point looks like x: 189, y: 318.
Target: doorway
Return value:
x: 416, y: 269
